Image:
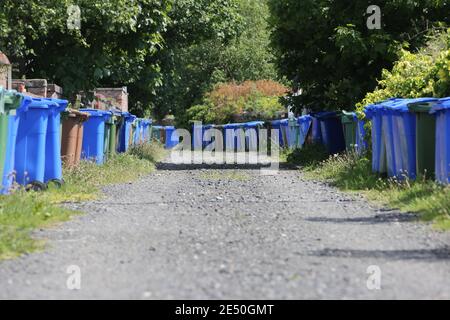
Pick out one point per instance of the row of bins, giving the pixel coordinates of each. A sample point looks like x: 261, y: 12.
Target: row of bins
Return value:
x: 235, y: 136
x: 31, y: 135
x: 293, y: 132
x: 410, y: 138
x: 38, y: 134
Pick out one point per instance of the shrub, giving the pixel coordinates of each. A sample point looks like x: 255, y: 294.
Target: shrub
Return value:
x: 152, y: 152
x: 423, y: 74
x: 230, y: 102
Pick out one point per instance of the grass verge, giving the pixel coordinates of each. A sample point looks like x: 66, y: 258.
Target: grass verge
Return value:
x: 22, y: 212
x: 352, y: 172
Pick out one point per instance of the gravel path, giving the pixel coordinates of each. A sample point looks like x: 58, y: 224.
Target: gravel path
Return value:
x: 195, y: 233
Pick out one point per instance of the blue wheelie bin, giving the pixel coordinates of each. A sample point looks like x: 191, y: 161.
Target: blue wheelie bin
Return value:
x: 137, y: 132
x: 316, y: 132
x: 442, y: 112
x: 206, y: 129
x: 361, y: 137
x: 172, y: 138
x: 197, y: 137
x: 53, y: 162
x: 278, y: 125
x: 147, y: 130
x: 31, y: 143
x: 125, y: 132
x: 332, y: 132
x: 234, y: 137
x: 252, y: 135
x: 383, y: 138
x: 94, y: 135
x: 305, y: 123
x: 373, y: 113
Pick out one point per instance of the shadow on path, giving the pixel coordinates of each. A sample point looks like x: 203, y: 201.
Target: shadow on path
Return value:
x: 376, y: 219
x: 204, y: 166
x: 418, y: 254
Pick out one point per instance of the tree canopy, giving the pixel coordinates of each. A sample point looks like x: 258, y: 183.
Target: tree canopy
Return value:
x: 326, y: 46
x: 116, y: 44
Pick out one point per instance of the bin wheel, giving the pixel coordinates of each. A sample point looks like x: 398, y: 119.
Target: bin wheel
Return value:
x: 36, y: 186
x: 58, y: 183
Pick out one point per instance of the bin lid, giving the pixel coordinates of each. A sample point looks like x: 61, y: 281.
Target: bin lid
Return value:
x: 401, y: 105
x: 97, y: 112
x: 421, y: 107
x: 233, y: 125
x: 279, y: 122
x: 74, y: 113
x: 393, y: 105
x: 41, y: 103
x: 441, y: 105
x: 349, y: 116
x: 128, y: 116
x: 116, y: 112
x: 304, y: 119
x: 60, y: 104
x: 325, y: 115
x: 254, y: 124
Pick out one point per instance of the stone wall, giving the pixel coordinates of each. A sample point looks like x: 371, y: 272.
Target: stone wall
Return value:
x: 117, y: 96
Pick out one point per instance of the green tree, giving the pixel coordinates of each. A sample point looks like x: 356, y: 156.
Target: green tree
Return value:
x: 326, y: 46
x: 227, y: 40
x: 116, y: 44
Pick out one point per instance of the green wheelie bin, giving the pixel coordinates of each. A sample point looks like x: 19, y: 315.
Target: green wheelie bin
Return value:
x: 349, y: 124
x: 110, y: 145
x: 10, y: 101
x: 425, y: 138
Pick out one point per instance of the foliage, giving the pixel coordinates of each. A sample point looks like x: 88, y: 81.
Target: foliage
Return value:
x: 115, y: 46
x: 309, y: 155
x: 326, y: 46
x: 152, y: 152
x: 192, y: 65
x: 423, y: 74
x: 231, y: 102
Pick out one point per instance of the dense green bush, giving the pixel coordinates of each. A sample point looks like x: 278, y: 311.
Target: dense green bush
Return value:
x: 414, y: 75
x: 326, y: 46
